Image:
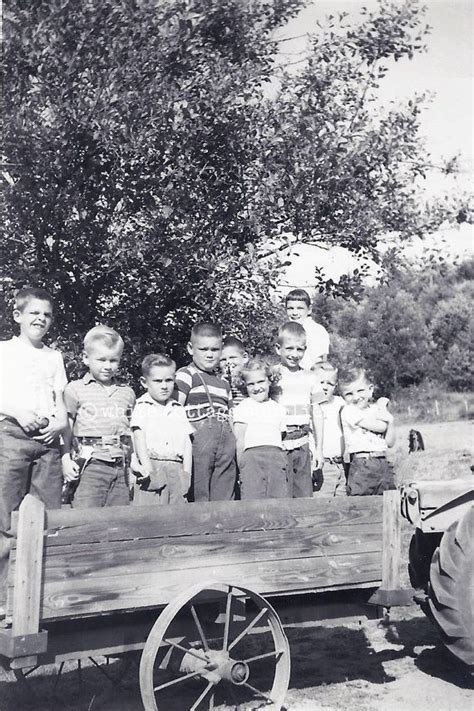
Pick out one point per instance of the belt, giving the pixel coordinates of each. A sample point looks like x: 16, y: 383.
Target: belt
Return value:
x: 367, y: 455
x: 333, y: 460
x: 105, y: 440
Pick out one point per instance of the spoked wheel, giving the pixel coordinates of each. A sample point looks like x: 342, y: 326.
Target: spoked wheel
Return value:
x: 202, y: 654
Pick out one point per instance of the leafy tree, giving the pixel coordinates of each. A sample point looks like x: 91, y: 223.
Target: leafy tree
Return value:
x: 150, y: 174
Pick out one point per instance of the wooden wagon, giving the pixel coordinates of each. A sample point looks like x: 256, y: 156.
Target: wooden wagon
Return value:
x: 190, y: 587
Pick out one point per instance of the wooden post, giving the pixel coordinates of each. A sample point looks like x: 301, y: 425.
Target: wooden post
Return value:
x: 391, y: 541
x: 27, y: 579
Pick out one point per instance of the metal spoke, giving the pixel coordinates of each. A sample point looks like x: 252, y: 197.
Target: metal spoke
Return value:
x: 58, y: 676
x: 256, y: 691
x: 177, y: 681
x: 188, y: 651
x: 198, y: 701
x: 228, y: 607
x: 30, y: 671
x: 211, y: 702
x: 200, y: 629
x: 275, y: 653
x: 256, y: 619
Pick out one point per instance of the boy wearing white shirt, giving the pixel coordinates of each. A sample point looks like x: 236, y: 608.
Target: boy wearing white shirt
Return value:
x: 368, y: 431
x: 32, y: 412
x: 161, y: 437
x: 331, y: 477
x: 298, y: 309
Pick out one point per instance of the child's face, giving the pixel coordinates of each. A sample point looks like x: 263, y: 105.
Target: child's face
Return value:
x: 35, y: 319
x: 206, y: 352
x: 328, y: 382
x: 258, y: 385
x: 297, y: 311
x: 358, y: 393
x: 291, y: 350
x: 103, y: 361
x: 160, y: 382
x: 232, y: 359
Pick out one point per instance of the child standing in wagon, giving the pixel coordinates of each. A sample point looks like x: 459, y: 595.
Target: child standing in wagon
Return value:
x: 259, y: 423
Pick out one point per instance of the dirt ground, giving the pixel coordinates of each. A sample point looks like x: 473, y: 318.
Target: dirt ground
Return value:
x: 357, y: 664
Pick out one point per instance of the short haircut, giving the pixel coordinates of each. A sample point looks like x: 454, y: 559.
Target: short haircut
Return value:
x: 156, y: 359
x: 261, y: 364
x: 206, y: 329
x: 102, y: 334
x: 291, y: 328
x: 325, y: 367
x: 298, y: 295
x: 349, y: 375
x: 233, y: 342
x: 23, y: 296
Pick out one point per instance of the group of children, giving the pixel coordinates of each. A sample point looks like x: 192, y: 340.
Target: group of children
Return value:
x: 225, y: 426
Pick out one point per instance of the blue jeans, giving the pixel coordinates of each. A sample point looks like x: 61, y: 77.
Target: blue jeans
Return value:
x: 26, y: 467
x: 214, y: 467
x: 102, y: 484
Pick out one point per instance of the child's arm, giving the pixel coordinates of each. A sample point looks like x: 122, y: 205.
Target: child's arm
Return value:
x: 56, y: 424
x: 373, y: 424
x: 390, y: 435
x: 318, y: 429
x: 139, y: 445
x: 70, y: 467
x: 188, y: 458
x: 27, y: 419
x: 240, y: 429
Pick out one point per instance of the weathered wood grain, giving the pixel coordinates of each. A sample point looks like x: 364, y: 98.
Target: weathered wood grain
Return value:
x: 91, y: 596
x: 129, y: 522
x: 125, y: 557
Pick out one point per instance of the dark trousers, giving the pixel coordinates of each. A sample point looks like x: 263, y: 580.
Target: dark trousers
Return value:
x: 214, y: 468
x: 368, y: 477
x: 300, y: 483
x: 102, y: 484
x: 26, y: 466
x: 263, y: 474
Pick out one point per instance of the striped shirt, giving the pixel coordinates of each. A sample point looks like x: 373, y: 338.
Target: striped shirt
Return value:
x: 99, y: 410
x: 191, y: 392
x: 300, y: 391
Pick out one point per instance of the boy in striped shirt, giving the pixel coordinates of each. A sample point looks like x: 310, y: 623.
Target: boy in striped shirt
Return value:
x: 207, y: 399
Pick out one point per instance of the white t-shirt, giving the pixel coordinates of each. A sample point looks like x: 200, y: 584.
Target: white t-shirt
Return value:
x: 317, y: 343
x: 333, y: 440
x: 30, y: 376
x: 265, y: 422
x: 166, y: 427
x: 357, y: 439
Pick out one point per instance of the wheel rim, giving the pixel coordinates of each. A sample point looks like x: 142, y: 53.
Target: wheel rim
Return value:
x: 198, y: 662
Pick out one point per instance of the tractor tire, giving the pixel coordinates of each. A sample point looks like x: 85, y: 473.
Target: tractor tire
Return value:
x: 451, y: 589
x: 420, y: 554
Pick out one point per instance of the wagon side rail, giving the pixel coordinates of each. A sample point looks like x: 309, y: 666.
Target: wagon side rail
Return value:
x: 24, y: 637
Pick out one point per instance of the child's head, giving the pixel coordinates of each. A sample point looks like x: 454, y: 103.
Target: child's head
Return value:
x: 233, y: 356
x: 326, y: 375
x: 205, y: 346
x: 356, y: 387
x: 259, y: 380
x: 298, y: 305
x: 291, y: 344
x: 158, y: 375
x: 33, y: 311
x: 102, y: 353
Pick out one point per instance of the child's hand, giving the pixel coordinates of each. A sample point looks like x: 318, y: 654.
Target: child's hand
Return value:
x: 318, y: 459
x: 50, y: 433
x: 70, y: 470
x: 28, y: 420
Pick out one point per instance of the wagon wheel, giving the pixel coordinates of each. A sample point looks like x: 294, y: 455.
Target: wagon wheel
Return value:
x: 195, y: 660
x: 451, y: 586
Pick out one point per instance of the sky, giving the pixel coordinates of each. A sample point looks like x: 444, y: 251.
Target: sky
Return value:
x: 446, y: 72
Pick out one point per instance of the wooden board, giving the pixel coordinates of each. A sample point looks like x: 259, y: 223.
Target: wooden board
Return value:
x: 100, y: 561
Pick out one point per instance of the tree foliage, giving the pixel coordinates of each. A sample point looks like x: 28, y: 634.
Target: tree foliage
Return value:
x: 151, y: 172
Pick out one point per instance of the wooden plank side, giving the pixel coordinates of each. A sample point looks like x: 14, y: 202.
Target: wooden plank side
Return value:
x: 27, y: 575
x: 83, y: 597
x: 128, y: 522
x: 133, y: 557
